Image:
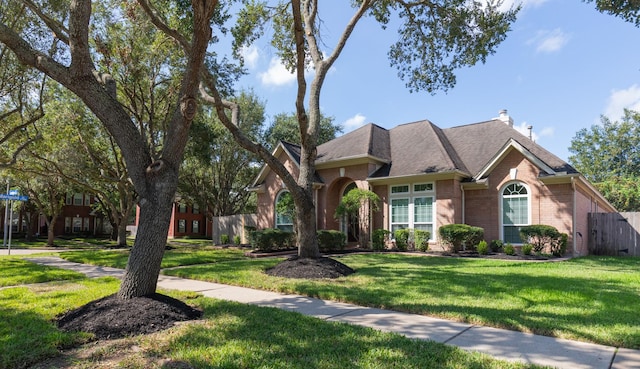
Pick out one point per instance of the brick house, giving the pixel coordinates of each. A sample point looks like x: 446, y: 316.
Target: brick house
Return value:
x: 485, y: 174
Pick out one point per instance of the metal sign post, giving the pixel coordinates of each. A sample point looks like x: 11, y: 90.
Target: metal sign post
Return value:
x: 6, y: 215
x: 14, y: 196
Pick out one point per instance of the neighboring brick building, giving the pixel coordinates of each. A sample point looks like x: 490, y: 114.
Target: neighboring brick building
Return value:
x: 485, y: 174
x: 78, y: 217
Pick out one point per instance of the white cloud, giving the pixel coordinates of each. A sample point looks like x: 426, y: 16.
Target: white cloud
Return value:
x: 354, y: 122
x: 277, y: 74
x: 251, y: 56
x: 550, y: 41
x: 622, y: 99
x: 507, y: 4
x: 535, y: 135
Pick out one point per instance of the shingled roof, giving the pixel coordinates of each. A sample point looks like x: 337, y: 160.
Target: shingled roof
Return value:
x: 422, y: 148
x: 367, y: 141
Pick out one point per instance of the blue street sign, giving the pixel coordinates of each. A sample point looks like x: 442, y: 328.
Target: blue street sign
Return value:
x: 13, y: 197
x: 14, y: 192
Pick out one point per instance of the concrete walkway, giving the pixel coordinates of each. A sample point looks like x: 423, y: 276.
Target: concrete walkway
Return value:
x: 499, y: 343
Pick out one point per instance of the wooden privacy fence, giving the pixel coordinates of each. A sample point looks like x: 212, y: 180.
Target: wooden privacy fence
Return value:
x: 232, y: 225
x: 614, y: 234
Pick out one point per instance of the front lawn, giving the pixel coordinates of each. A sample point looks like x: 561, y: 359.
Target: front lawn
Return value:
x: 230, y: 335
x: 590, y: 299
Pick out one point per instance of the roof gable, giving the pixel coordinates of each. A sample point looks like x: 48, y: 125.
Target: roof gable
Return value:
x: 368, y: 141
x: 479, y: 144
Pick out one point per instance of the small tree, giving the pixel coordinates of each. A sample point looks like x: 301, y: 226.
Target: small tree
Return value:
x: 357, y: 206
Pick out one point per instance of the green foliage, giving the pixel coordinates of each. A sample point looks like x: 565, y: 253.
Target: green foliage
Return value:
x: 482, y: 248
x: 236, y: 240
x: 402, y: 238
x: 285, y: 127
x: 496, y: 245
x: 271, y: 239
x: 614, y: 170
x: 622, y: 192
x: 454, y: 236
x: 526, y: 249
x: 436, y: 40
x: 379, y: 238
x: 541, y: 236
x: 560, y: 248
x: 224, y: 239
x: 355, y: 200
x: 357, y: 206
x: 627, y: 10
x: 331, y: 240
x: 285, y: 205
x: 421, y: 239
x: 509, y: 249
x: 216, y: 172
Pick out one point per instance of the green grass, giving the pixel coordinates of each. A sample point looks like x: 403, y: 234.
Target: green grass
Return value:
x: 27, y: 332
x: 172, y: 258
x: 243, y: 336
x: 591, y: 299
x: 232, y: 335
x: 15, y: 271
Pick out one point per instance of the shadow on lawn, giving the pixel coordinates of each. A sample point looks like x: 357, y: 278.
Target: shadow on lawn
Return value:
x: 248, y: 336
x: 544, y: 299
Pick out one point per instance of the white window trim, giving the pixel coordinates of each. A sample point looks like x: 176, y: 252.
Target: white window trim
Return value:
x: 501, y: 207
x: 411, y: 196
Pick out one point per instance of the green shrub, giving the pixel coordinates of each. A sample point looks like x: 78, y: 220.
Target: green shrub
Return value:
x: 421, y: 239
x: 271, y: 239
x: 559, y: 248
x: 379, y: 239
x: 483, y: 247
x: 509, y: 249
x: 454, y: 236
x: 330, y: 240
x: 248, y: 230
x: 526, y: 249
x: 236, y: 240
x: 541, y: 236
x: 224, y: 239
x: 496, y: 245
x: 402, y: 239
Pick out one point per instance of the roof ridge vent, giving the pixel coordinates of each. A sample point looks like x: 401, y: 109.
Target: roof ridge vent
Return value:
x: 503, y: 116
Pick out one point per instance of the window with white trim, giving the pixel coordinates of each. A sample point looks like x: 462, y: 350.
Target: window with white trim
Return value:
x: 399, y: 214
x: 284, y: 220
x: 423, y: 213
x: 515, y: 211
x: 412, y: 206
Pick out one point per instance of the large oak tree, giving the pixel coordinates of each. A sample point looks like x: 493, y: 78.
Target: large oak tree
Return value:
x: 67, y: 26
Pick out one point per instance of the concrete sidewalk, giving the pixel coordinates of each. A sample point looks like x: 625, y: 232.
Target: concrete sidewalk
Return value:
x: 499, y: 343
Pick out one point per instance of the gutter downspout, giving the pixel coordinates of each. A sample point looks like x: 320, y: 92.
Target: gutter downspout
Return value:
x: 573, y: 218
x: 463, y: 205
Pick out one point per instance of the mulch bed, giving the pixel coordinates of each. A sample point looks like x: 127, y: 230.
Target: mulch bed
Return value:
x: 112, y: 317
x: 297, y: 267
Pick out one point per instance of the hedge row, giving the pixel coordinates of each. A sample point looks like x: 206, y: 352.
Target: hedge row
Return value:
x: 273, y: 239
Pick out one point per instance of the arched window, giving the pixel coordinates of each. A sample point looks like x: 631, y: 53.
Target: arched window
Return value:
x: 284, y: 211
x: 515, y: 211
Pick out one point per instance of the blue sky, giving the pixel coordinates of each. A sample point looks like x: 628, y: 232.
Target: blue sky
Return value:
x: 562, y: 66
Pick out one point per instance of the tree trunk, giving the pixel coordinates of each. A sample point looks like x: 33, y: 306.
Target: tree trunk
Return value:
x: 122, y: 234
x: 305, y: 220
x: 143, y: 266
x: 51, y: 235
